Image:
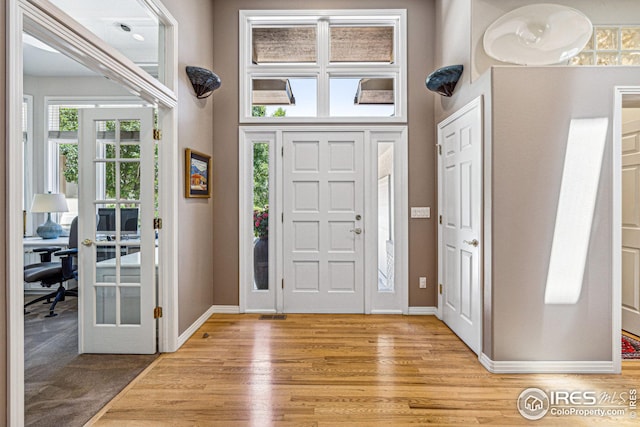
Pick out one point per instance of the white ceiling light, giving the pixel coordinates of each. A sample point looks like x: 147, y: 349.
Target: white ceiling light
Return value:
x: 138, y: 37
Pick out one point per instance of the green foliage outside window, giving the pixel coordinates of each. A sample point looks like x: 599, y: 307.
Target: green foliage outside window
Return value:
x: 129, y: 172
x: 261, y: 162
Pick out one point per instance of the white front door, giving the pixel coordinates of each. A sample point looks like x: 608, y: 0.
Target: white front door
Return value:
x: 631, y: 227
x: 116, y: 233
x: 460, y: 200
x: 323, y: 222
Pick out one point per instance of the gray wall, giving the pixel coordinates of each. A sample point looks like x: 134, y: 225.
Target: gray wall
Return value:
x: 422, y: 173
x: 530, y: 128
x: 195, y: 130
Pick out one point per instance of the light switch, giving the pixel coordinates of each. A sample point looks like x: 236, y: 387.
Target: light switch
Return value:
x: 421, y: 212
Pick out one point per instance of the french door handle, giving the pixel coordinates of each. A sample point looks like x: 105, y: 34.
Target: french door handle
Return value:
x: 473, y: 243
x: 87, y: 242
x: 356, y: 230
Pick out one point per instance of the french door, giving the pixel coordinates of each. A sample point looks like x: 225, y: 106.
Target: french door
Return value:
x: 460, y: 201
x: 323, y: 222
x: 117, y: 248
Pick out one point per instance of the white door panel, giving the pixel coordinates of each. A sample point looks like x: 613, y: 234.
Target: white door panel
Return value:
x: 460, y: 188
x: 323, y: 193
x: 117, y: 255
x: 631, y: 228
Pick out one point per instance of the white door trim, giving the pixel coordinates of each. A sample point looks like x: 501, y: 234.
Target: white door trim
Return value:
x: 41, y: 17
x: 616, y: 224
x: 247, y: 134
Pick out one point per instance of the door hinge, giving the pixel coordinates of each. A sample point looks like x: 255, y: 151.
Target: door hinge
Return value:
x: 282, y: 151
x: 440, y: 288
x: 440, y: 219
x: 157, y: 312
x: 157, y: 134
x: 282, y: 283
x: 439, y: 148
x: 157, y: 223
x: 282, y: 216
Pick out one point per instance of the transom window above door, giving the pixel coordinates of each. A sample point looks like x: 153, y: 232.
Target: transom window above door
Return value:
x: 323, y: 66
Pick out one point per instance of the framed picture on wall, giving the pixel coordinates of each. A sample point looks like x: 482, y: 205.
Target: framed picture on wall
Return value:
x: 197, y: 174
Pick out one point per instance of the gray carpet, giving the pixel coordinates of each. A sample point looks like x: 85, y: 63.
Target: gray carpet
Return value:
x: 63, y: 388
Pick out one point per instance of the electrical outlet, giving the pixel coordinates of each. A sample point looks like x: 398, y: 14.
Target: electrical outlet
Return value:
x: 423, y: 283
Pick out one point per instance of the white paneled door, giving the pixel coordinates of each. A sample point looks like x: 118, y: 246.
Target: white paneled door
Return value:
x: 323, y: 222
x: 631, y: 227
x: 460, y: 195
x: 116, y: 234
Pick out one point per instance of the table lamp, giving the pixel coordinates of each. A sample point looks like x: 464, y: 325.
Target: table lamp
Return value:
x: 47, y: 203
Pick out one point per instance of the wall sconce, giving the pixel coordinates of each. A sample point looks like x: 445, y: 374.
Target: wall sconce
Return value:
x: 204, y: 81
x: 444, y: 80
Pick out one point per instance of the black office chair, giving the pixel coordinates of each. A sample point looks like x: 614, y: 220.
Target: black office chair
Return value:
x: 49, y: 273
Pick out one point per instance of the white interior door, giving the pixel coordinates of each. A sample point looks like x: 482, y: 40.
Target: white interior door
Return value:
x: 631, y: 227
x: 460, y: 188
x: 323, y: 222
x: 116, y: 233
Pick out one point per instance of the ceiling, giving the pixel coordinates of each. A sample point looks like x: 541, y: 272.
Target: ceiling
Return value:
x: 124, y: 24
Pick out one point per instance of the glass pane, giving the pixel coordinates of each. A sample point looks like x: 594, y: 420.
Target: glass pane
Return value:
x: 105, y: 305
x: 631, y: 38
x: 129, y: 151
x: 361, y: 44
x: 630, y: 58
x: 133, y: 30
x: 105, y: 223
x: 348, y: 100
x: 129, y: 303
x: 105, y: 140
x: 385, y: 218
x: 261, y: 215
x: 130, y: 131
x: 583, y: 58
x: 129, y: 221
x: 293, y: 97
x: 607, y: 38
x: 606, y: 58
x: 283, y: 44
x: 129, y: 181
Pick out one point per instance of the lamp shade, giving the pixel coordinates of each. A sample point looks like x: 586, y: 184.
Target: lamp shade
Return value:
x: 49, y: 202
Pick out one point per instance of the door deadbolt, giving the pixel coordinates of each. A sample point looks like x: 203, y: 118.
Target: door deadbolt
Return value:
x: 358, y: 217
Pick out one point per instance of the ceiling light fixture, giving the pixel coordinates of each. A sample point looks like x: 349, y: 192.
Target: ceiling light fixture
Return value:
x: 138, y: 37
x: 124, y: 27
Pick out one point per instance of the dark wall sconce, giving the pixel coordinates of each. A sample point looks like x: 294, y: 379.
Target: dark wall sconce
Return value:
x: 204, y: 81
x: 444, y: 80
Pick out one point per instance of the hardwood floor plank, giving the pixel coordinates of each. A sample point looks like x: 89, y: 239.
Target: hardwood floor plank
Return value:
x: 337, y: 371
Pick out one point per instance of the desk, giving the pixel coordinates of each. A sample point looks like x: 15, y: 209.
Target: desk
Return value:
x: 129, y: 268
x: 30, y: 257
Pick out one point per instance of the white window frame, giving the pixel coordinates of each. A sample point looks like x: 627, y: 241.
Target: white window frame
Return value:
x: 323, y: 70
x: 28, y: 164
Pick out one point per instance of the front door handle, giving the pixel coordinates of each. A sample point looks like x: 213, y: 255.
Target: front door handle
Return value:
x: 87, y: 242
x: 473, y: 243
x: 356, y: 230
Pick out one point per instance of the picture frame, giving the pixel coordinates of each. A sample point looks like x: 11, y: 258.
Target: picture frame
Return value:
x: 197, y: 178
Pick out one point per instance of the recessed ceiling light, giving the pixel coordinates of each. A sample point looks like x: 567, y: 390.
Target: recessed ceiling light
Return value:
x: 138, y: 37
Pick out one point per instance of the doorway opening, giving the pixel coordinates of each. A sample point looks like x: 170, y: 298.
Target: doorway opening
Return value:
x: 627, y: 182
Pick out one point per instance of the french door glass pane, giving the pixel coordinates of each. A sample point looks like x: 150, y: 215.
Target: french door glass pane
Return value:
x: 105, y: 305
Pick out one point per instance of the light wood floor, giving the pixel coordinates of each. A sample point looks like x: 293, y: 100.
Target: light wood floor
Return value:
x: 337, y: 371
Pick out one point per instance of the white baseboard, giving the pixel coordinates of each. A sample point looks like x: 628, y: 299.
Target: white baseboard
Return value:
x: 226, y: 309
x: 386, y: 311
x: 546, y: 367
x: 423, y: 311
x: 194, y: 326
